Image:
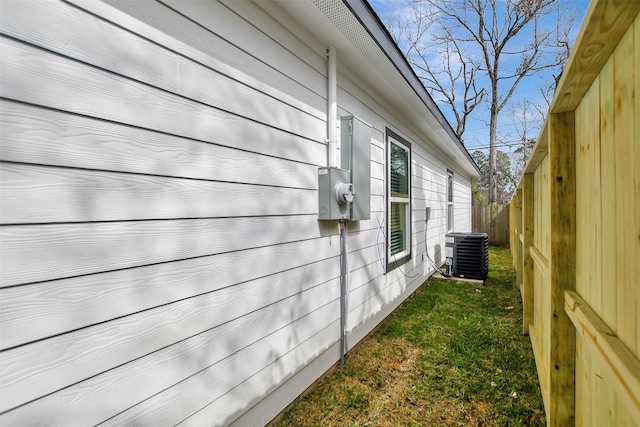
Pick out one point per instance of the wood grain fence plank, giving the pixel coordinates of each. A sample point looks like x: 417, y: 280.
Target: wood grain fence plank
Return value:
x: 526, y: 263
x: 493, y: 220
x: 626, y: 148
x: 604, y: 25
x: 620, y: 363
x: 562, y: 263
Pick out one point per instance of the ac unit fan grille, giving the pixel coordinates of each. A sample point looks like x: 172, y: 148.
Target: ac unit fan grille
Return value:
x: 470, y: 254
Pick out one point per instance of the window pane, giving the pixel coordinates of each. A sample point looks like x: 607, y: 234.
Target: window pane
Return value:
x: 450, y: 188
x: 397, y: 241
x: 399, y: 182
x: 449, y: 217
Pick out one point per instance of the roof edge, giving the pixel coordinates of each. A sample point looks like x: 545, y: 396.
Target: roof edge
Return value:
x: 371, y: 22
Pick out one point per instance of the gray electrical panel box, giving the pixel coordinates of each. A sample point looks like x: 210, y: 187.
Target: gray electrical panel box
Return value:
x: 335, y: 193
x: 355, y: 139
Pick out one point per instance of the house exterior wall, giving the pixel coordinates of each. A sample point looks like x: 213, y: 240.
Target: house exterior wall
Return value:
x: 162, y: 261
x: 462, y: 203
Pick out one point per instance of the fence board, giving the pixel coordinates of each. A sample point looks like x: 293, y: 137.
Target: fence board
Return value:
x: 619, y: 362
x: 626, y: 200
x: 563, y: 253
x: 493, y: 220
x: 526, y: 258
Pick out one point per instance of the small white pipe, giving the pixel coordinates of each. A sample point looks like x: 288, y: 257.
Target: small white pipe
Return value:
x: 343, y: 289
x: 332, y: 108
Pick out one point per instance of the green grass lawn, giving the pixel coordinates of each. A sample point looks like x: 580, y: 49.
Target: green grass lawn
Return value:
x: 452, y: 354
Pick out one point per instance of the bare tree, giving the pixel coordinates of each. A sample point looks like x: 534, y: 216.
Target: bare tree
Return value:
x: 489, y: 42
x: 440, y: 63
x: 523, y: 115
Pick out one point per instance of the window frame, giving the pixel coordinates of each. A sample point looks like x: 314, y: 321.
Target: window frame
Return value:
x: 450, y: 197
x: 396, y: 260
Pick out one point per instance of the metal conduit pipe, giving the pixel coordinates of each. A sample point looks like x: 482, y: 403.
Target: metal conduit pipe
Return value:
x: 332, y: 108
x: 343, y: 289
x: 332, y: 160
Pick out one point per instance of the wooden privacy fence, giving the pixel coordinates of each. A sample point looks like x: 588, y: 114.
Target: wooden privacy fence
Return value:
x: 575, y: 229
x: 493, y: 220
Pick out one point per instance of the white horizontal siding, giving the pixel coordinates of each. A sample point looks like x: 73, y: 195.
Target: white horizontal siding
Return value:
x: 85, y: 90
x: 277, y: 44
x: 117, y: 50
x: 242, y: 397
x: 104, y: 396
x: 34, y: 253
x: 192, y: 397
x: 84, y: 352
x: 30, y: 134
x: 379, y: 306
x: 269, y: 407
x: 81, y: 196
x: 31, y: 313
x: 462, y: 204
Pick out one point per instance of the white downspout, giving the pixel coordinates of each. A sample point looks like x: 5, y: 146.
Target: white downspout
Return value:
x: 332, y: 108
x: 332, y: 160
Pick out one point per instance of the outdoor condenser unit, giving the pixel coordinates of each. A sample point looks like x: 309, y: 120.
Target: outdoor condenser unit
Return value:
x: 467, y: 254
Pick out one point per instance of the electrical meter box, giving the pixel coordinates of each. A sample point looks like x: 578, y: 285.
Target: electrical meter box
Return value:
x: 355, y: 156
x: 335, y: 193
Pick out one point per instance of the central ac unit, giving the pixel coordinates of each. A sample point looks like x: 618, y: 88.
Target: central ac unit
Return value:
x: 467, y: 255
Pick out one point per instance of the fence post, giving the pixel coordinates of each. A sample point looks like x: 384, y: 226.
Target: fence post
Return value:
x: 513, y: 229
x: 527, y: 264
x: 562, y: 268
x: 518, y: 232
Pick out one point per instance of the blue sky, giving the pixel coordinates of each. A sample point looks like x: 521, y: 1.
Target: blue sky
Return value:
x: 477, y: 129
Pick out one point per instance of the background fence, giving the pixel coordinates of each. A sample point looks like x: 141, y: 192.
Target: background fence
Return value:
x: 493, y: 220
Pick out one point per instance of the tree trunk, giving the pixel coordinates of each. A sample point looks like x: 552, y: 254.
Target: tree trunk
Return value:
x: 493, y: 155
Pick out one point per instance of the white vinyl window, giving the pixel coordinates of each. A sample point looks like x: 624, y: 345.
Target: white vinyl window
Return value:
x: 449, y: 200
x: 399, y: 200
